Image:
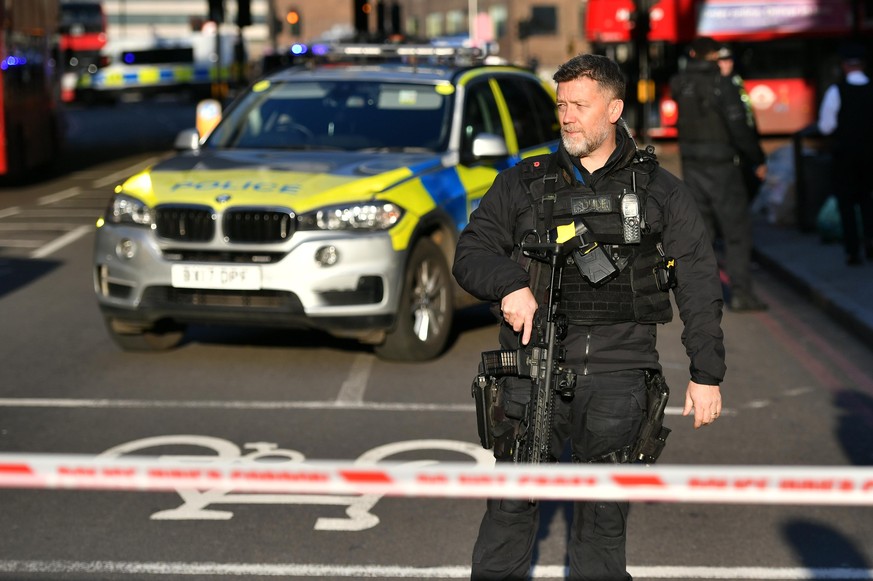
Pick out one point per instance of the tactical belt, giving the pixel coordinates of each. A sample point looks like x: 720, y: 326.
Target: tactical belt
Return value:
x: 620, y: 456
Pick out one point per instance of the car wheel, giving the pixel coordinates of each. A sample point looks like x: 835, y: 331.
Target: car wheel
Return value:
x: 134, y: 337
x: 424, y: 318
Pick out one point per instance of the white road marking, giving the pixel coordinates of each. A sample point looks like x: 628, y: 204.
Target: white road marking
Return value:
x: 405, y: 572
x: 60, y: 242
x: 32, y: 226
x: 58, y: 196
x: 231, y: 404
x: 352, y: 390
x: 13, y: 243
x: 63, y: 213
x: 758, y: 573
x: 9, y: 211
x: 27, y: 402
x: 198, y: 503
x: 124, y: 173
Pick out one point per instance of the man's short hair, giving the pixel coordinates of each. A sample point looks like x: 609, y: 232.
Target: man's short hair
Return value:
x: 703, y: 46
x: 598, y: 68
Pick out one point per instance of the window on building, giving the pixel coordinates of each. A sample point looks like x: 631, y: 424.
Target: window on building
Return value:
x: 456, y: 22
x: 433, y: 25
x: 543, y: 20
x: 499, y: 16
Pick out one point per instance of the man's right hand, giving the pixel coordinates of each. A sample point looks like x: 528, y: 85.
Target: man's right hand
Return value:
x: 518, y: 309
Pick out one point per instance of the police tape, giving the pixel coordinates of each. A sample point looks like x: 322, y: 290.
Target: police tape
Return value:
x: 668, y: 483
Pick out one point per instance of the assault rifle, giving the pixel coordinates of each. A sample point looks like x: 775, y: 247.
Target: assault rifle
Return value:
x: 540, y: 361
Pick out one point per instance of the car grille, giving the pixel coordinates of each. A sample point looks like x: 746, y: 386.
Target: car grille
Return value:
x: 258, y: 226
x: 197, y: 224
x: 163, y: 297
x: 185, y: 223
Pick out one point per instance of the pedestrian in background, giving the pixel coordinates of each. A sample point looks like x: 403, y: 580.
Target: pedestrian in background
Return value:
x: 728, y: 69
x: 716, y: 139
x: 611, y: 334
x: 846, y: 114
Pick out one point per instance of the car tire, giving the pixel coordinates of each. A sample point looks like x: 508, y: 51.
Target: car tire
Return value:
x: 425, y: 313
x: 134, y: 337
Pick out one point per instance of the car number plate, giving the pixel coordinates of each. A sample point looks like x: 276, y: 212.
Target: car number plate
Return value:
x: 216, y: 276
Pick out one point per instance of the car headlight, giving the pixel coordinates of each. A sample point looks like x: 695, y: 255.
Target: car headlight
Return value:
x: 128, y: 210
x: 369, y: 217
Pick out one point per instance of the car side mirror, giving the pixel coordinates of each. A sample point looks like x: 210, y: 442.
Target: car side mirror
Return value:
x: 187, y: 140
x: 488, y: 146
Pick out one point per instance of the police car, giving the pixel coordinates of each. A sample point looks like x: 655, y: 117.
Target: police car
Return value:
x: 328, y: 197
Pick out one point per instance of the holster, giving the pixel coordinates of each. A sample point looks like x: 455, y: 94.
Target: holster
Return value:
x: 653, y: 434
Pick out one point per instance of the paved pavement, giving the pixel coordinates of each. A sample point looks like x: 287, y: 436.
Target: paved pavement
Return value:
x: 816, y: 269
x: 819, y: 271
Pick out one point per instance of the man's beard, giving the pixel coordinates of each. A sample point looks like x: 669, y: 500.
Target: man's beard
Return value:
x: 581, y: 145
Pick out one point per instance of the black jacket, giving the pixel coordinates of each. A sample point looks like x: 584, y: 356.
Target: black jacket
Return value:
x: 713, y: 122
x: 484, y: 267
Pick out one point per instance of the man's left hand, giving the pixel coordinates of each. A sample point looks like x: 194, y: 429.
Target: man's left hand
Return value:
x: 705, y: 401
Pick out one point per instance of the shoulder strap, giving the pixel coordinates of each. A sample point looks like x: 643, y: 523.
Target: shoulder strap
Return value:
x: 533, y: 173
x: 550, y: 180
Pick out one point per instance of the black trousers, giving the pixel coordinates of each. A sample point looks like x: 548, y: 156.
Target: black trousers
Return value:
x: 605, y: 415
x: 853, y: 188
x: 719, y: 189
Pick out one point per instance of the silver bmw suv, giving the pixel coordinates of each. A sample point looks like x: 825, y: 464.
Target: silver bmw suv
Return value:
x: 328, y: 197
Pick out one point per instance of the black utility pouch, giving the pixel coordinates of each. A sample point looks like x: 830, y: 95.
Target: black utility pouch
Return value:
x: 485, y: 395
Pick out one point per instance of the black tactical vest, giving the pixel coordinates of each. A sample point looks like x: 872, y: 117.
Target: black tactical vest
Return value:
x: 854, y: 120
x: 633, y: 295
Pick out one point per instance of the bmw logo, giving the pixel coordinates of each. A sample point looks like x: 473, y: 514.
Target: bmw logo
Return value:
x: 222, y: 199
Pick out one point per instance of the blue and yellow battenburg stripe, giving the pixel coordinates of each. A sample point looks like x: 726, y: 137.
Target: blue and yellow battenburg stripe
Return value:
x: 144, y: 76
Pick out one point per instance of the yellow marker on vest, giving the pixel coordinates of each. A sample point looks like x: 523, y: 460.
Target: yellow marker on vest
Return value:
x: 565, y: 232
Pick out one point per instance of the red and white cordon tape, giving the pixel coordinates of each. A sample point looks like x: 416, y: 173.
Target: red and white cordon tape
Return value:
x: 669, y: 483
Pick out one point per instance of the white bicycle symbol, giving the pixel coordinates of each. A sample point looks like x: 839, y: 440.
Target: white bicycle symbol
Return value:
x: 195, y: 502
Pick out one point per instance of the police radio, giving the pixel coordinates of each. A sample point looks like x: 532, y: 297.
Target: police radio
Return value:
x: 631, y: 217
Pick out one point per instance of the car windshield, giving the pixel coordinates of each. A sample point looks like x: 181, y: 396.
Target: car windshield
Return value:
x: 342, y: 114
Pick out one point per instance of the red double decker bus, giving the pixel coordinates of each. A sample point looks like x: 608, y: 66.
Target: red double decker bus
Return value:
x: 31, y: 127
x: 784, y: 49
x: 82, y: 32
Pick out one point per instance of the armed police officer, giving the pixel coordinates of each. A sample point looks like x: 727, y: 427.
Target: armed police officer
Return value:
x: 717, y: 139
x: 611, y: 326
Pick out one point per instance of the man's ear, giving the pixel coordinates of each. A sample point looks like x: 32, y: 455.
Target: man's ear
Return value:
x: 616, y: 108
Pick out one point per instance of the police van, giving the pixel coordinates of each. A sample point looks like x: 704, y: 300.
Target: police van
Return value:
x: 329, y: 197
x: 143, y: 67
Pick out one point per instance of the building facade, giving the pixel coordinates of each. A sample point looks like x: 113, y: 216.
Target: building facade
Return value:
x: 543, y: 33
x: 522, y: 31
